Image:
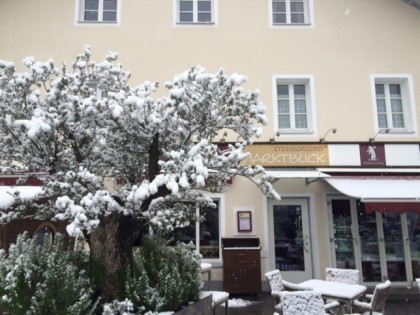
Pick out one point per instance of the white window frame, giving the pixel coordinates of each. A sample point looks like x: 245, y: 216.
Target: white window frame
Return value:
x: 308, y: 81
x: 309, y: 16
x: 407, y: 93
x: 221, y: 199
x: 195, y: 23
x: 95, y: 86
x: 79, y: 15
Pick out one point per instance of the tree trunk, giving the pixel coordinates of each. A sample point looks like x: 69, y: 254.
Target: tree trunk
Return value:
x: 111, y: 253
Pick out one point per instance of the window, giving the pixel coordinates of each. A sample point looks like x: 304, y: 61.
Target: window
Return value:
x: 93, y: 89
x: 205, y: 235
x: 195, y: 11
x: 293, y: 105
x: 290, y: 12
x: 43, y: 230
x: 393, y: 104
x: 98, y: 11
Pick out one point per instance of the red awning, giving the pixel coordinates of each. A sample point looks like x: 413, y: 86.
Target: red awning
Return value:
x: 392, y: 207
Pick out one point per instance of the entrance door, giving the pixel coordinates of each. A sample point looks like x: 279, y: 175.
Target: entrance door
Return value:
x: 291, y: 245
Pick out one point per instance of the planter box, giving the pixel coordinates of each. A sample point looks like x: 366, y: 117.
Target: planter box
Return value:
x: 202, y: 307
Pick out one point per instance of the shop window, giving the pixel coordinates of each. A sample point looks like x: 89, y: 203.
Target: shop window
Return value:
x: 394, y: 106
x: 205, y: 234
x: 294, y: 105
x: 195, y: 11
x: 290, y: 12
x: 97, y: 11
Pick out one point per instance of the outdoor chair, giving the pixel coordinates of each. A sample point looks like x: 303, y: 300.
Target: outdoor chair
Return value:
x: 304, y: 302
x: 375, y: 304
x: 277, y: 285
x: 206, y: 269
x: 218, y: 298
x: 350, y: 276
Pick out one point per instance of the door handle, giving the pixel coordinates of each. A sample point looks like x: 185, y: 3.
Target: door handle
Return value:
x: 306, y: 244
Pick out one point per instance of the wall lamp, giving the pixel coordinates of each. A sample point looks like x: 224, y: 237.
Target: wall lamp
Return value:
x: 333, y: 130
x: 277, y: 134
x: 385, y: 130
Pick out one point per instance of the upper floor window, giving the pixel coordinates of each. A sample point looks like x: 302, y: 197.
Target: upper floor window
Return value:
x: 294, y: 105
x: 394, y: 103
x: 195, y: 11
x: 98, y: 11
x: 290, y: 12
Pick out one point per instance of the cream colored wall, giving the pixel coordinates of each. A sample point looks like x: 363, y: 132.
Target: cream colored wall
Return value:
x: 350, y: 40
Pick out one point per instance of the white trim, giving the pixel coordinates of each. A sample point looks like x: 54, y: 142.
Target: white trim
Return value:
x: 212, y: 24
x: 311, y: 17
x: 296, y: 173
x: 222, y: 227
x: 78, y: 13
x: 309, y: 82
x: 407, y: 91
x: 369, y: 170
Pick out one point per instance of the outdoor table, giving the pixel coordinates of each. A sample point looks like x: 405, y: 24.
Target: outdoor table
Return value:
x: 342, y: 292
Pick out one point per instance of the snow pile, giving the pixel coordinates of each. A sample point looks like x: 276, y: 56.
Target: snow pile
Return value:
x: 237, y: 303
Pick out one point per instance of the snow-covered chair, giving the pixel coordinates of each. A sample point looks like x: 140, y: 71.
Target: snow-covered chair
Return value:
x: 277, y: 284
x: 304, y: 302
x: 206, y: 269
x: 375, y: 304
x: 350, y: 276
x: 218, y: 298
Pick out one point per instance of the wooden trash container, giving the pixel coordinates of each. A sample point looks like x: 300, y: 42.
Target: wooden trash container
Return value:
x: 241, y: 265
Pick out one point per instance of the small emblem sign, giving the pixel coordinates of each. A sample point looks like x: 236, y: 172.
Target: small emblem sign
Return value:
x: 372, y: 155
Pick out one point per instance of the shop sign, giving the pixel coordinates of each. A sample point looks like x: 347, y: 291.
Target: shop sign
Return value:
x: 372, y: 154
x: 276, y: 155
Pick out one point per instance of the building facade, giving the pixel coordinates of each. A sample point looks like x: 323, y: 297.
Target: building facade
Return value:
x: 341, y: 83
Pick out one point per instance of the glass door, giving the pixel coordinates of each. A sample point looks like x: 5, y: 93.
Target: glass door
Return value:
x: 291, y: 243
x: 342, y: 240
x: 381, y: 245
x: 369, y: 245
x: 413, y: 231
x: 395, y: 260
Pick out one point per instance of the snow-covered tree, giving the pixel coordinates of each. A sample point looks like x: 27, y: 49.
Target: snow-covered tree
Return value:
x: 83, y: 126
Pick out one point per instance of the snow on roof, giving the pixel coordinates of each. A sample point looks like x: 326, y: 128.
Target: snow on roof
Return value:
x: 26, y: 193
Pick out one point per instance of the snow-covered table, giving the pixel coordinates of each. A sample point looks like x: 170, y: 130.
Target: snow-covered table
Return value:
x: 343, y: 292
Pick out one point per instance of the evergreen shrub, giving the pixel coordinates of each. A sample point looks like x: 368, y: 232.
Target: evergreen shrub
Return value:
x: 45, y: 279
x: 164, y: 278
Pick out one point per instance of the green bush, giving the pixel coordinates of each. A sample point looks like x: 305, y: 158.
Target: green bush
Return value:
x: 164, y: 278
x: 45, y: 279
